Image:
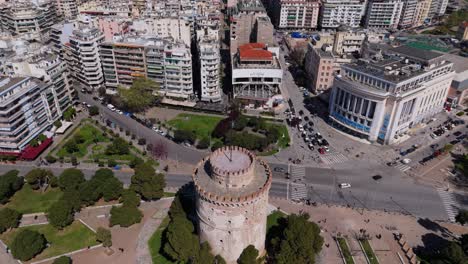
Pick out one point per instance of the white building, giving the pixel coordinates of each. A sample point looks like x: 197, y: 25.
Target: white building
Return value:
x: 296, y: 14
x: 381, y: 100
x: 342, y: 12
x: 27, y: 108
x: 68, y: 9
x: 82, y: 56
x: 176, y: 28
x: 409, y: 14
x: 383, y: 14
x: 209, y: 63
x: 438, y: 8
x: 256, y: 73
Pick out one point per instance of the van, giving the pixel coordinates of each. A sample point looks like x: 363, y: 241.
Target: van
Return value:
x: 111, y: 107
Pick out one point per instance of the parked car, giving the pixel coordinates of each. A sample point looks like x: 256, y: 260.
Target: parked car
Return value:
x: 406, y: 161
x: 279, y: 169
x: 344, y: 185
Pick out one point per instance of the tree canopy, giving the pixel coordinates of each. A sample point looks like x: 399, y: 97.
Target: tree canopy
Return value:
x: 9, y: 218
x: 298, y: 242
x: 118, y: 147
x: 146, y: 182
x: 140, y: 95
x: 125, y: 216
x: 248, y: 256
x: 37, y: 177
x: 60, y: 214
x: 9, y: 184
x: 104, y: 236
x: 27, y: 244
x: 62, y: 260
x: 70, y: 179
x: 462, y: 217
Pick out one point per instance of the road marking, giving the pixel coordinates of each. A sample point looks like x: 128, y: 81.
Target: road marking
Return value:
x: 333, y: 158
x: 402, y: 167
x: 450, y: 204
x: 298, y: 191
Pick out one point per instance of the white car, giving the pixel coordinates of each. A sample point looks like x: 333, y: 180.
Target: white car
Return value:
x: 119, y: 112
x: 344, y: 185
x: 434, y: 136
x: 406, y: 161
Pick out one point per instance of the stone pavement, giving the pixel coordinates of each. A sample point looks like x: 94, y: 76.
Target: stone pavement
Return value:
x: 346, y: 221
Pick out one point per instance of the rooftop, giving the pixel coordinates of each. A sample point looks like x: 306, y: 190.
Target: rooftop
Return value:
x: 254, y: 51
x: 8, y: 82
x: 416, y: 53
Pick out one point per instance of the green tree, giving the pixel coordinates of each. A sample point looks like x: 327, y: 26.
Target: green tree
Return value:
x: 9, y: 184
x: 118, y: 147
x: 27, y: 244
x: 90, y: 192
x: 63, y: 260
x: 146, y: 182
x: 71, y: 146
x: 135, y: 161
x: 70, y: 179
x: 205, y: 256
x: 462, y: 217
x: 37, y: 177
x: 248, y: 256
x: 72, y: 198
x: 9, y: 218
x: 130, y: 198
x: 181, y: 243
x: 464, y: 243
x: 93, y: 110
x: 69, y: 113
x: 453, y: 253
x: 462, y: 165
x: 299, y: 241
x: 104, y: 236
x: 139, y: 96
x: 204, y: 143
x: 58, y: 124
x: 51, y: 159
x: 111, y: 189
x: 125, y: 216
x: 448, y: 147
x: 184, y: 135
x: 60, y: 214
x: 219, y: 260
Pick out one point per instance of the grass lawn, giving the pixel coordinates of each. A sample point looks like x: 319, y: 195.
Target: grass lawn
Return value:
x: 29, y: 201
x: 73, y: 237
x: 283, y: 141
x: 201, y: 125
x: 272, y: 219
x: 89, y: 133
x: 369, y: 252
x: 345, y: 250
x: 155, y: 244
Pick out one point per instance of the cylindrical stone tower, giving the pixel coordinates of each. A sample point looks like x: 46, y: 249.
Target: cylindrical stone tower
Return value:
x: 232, y: 187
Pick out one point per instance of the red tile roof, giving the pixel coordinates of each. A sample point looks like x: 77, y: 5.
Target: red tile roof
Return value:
x: 31, y: 153
x: 254, y: 51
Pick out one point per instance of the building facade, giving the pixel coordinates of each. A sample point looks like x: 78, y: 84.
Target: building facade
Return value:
x: 176, y: 28
x: 381, y: 100
x: 335, y: 13
x: 383, y: 14
x: 296, y: 14
x: 232, y: 187
x: 256, y: 74
x: 68, y: 9
x: 408, y: 14
x: 82, y: 56
x: 209, y: 63
x: 27, y: 108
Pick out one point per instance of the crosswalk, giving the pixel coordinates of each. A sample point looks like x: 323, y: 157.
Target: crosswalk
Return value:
x: 298, y: 191
x: 449, y: 202
x: 297, y: 173
x: 402, y: 167
x: 333, y: 158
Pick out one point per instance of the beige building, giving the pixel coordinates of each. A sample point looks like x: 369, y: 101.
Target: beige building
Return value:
x: 422, y: 12
x: 232, y: 187
x: 348, y: 42
x: 462, y: 33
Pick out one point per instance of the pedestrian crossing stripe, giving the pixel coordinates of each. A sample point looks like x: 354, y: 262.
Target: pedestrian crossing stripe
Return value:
x: 403, y: 167
x: 450, y: 204
x: 298, y: 191
x: 333, y: 158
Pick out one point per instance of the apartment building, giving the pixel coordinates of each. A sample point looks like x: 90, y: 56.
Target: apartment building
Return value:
x: 28, y: 20
x: 176, y: 28
x: 256, y: 74
x: 422, y: 12
x: 348, y: 41
x: 67, y: 9
x: 342, y: 12
x: 81, y: 53
x: 380, y: 100
x: 209, y: 64
x: 165, y: 61
x: 408, y: 14
x: 28, y: 107
x: 438, y: 8
x: 295, y: 14
x: 383, y: 14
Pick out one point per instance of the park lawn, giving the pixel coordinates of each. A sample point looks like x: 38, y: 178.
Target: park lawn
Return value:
x: 345, y: 250
x: 201, y: 125
x: 155, y: 244
x: 103, y: 156
x: 284, y: 139
x: 272, y: 219
x: 73, y: 237
x: 369, y: 252
x: 89, y: 133
x: 28, y: 201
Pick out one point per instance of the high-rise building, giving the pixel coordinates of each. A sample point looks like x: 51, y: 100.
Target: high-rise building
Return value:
x: 68, y: 9
x: 408, y: 14
x: 295, y: 14
x: 209, y: 63
x: 438, y: 8
x: 256, y: 73
x: 82, y: 56
x: 422, y: 11
x: 383, y: 14
x: 381, y: 100
x: 342, y: 12
x: 231, y: 201
x: 164, y: 61
x: 28, y: 107
x: 28, y: 20
x: 176, y: 28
